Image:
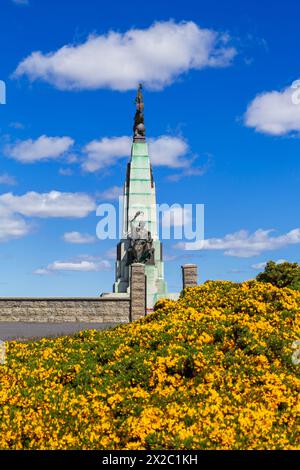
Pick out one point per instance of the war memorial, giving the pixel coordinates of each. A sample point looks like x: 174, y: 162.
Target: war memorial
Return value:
x: 139, y: 280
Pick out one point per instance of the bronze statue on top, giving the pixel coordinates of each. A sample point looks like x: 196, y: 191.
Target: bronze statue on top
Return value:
x: 139, y: 130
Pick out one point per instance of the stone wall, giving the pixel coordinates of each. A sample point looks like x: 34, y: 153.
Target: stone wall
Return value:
x: 102, y: 310
x: 109, y: 308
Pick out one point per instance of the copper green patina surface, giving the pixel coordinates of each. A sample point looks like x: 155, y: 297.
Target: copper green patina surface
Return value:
x: 140, y: 195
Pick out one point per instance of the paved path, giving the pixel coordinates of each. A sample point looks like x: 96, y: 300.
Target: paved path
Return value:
x: 16, y: 330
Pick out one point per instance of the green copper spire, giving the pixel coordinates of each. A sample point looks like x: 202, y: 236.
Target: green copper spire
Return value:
x: 139, y: 124
x: 139, y: 208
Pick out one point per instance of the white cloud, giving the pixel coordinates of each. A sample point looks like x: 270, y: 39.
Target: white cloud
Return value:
x: 263, y: 264
x: 105, y: 152
x: 52, y: 204
x: 41, y: 272
x: 155, y: 56
x: 72, y: 158
x: 168, y: 151
x: 111, y: 194
x: 164, y: 151
x: 242, y: 244
x: 275, y: 112
x: 43, y: 148
x: 13, y: 209
x: 65, y: 172
x: 12, y: 227
x: 81, y: 264
x: 78, y: 238
x: 8, y: 180
x: 191, y: 170
x: 259, y: 266
x: 73, y: 266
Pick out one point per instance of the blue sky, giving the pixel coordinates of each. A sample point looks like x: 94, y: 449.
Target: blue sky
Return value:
x: 219, y: 108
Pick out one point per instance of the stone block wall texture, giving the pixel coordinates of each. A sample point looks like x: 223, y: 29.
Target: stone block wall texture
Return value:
x: 106, y: 310
x: 110, y: 308
x: 189, y: 275
x: 137, y: 292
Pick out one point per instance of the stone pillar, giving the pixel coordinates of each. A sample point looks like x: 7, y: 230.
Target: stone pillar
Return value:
x: 189, y: 275
x: 137, y: 291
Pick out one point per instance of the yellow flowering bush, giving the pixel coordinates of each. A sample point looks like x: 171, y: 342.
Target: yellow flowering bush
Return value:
x: 210, y: 371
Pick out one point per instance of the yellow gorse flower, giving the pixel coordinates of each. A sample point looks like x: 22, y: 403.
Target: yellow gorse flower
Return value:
x: 210, y: 371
